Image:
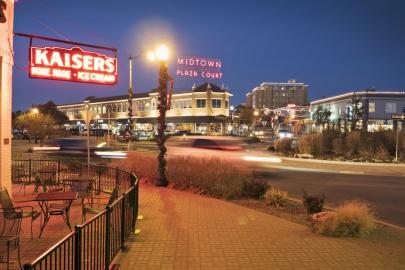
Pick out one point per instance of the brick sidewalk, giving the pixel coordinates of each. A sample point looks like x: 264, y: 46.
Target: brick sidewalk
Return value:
x: 182, y: 230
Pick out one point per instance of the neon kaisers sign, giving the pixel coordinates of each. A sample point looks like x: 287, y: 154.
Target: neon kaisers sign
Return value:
x: 199, y: 67
x: 74, y: 65
x: 3, y: 7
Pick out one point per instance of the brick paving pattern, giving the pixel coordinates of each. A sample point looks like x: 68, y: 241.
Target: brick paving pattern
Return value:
x: 181, y: 230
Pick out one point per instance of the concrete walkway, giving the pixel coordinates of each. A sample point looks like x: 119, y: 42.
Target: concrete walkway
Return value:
x: 181, y: 230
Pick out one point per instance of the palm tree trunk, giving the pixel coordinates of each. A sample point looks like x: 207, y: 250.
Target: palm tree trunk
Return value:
x: 161, y: 137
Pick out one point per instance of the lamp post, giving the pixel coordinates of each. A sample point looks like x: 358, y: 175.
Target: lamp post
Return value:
x: 130, y: 95
x: 161, y: 54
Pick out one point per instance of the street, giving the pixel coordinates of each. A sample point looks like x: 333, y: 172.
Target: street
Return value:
x: 386, y: 194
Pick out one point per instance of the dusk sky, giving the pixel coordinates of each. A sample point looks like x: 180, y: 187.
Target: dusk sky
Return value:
x: 333, y: 46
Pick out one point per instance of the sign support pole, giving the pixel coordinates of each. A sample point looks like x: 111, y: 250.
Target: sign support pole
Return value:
x: 396, y: 146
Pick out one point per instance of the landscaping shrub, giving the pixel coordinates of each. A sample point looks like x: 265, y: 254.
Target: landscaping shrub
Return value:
x: 351, y: 219
x: 313, y: 203
x: 211, y: 176
x: 284, y: 146
x: 311, y: 144
x: 254, y: 187
x: 275, y: 197
x: 352, y: 141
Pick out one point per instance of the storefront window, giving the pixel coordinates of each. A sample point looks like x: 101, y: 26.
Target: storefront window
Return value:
x: 216, y: 103
x: 201, y: 103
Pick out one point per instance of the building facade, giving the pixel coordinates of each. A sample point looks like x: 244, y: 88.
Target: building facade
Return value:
x: 272, y: 95
x: 376, y: 108
x: 204, y: 110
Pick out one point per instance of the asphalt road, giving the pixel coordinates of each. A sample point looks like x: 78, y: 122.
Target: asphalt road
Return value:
x: 386, y: 194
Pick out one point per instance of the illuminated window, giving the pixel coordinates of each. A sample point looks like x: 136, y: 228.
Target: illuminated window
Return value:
x: 141, y: 106
x: 390, y: 107
x: 371, y: 107
x: 104, y: 109
x: 114, y: 108
x: 124, y: 108
x: 153, y: 104
x: 119, y: 107
x: 184, y: 104
x: 226, y: 104
x: 216, y: 103
x: 201, y: 103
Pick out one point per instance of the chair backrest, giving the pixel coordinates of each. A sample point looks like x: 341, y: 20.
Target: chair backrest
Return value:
x: 10, y: 227
x: 5, y: 200
x: 114, y: 195
x: 80, y: 187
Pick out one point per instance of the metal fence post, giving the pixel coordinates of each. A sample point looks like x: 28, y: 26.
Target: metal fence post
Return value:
x: 117, y: 176
x: 107, y: 238
x: 99, y: 179
x: 30, y: 170
x: 123, y: 219
x: 78, y: 248
x: 58, y: 171
x: 133, y: 203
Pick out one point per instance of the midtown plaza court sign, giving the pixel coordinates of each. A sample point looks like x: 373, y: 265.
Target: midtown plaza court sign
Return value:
x: 199, y: 67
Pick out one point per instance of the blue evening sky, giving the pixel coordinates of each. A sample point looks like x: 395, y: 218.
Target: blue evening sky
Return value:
x: 333, y: 46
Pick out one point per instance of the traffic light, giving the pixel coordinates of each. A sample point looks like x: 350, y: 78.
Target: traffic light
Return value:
x: 2, y: 15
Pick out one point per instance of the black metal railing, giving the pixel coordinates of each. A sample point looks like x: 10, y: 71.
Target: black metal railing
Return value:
x: 95, y: 243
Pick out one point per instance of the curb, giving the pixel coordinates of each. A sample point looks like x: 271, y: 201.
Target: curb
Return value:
x: 345, y: 162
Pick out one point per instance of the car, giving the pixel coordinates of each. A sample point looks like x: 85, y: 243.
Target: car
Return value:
x: 284, y: 133
x: 211, y: 144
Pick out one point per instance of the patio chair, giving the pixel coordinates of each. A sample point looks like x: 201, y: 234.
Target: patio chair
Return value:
x: 95, y: 208
x: 10, y: 238
x: 22, y: 177
x: 7, y: 203
x: 48, y: 185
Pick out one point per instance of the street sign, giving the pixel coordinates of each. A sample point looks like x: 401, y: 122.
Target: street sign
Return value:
x: 398, y: 116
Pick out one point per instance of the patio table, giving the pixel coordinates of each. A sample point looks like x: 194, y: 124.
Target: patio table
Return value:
x: 44, y: 200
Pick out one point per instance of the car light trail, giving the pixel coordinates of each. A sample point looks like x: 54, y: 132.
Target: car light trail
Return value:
x: 262, y: 159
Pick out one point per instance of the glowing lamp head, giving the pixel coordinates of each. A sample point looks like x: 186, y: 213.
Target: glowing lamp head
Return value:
x: 162, y: 53
x: 35, y: 111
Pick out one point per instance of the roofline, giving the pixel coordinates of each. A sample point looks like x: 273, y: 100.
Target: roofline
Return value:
x: 349, y: 94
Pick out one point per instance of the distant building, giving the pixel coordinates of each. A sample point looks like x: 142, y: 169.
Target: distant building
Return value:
x: 376, y: 107
x: 203, y: 109
x: 273, y: 95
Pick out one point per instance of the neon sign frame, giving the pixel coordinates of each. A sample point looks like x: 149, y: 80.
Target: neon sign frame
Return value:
x: 73, y: 65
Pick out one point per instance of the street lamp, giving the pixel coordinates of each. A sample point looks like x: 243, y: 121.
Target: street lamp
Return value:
x: 161, y: 54
x: 35, y: 110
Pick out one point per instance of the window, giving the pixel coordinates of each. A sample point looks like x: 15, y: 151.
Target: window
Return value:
x: 124, y: 108
x: 153, y: 104
x: 226, y: 104
x: 403, y: 109
x: 371, y: 107
x: 184, y: 104
x: 119, y: 108
x: 201, y: 103
x: 390, y: 107
x: 216, y: 103
x: 141, y: 106
x: 114, y: 108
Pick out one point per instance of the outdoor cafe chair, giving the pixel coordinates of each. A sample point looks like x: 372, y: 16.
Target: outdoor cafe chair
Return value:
x: 22, y: 178
x: 95, y: 208
x: 83, y: 190
x: 48, y: 185
x: 10, y: 238
x: 16, y: 212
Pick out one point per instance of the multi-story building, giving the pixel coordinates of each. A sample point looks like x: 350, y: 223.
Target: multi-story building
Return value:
x: 376, y: 108
x: 202, y: 109
x: 272, y: 95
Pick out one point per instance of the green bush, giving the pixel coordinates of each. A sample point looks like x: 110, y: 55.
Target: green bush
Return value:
x: 254, y: 187
x: 351, y: 219
x: 313, y: 203
x: 275, y: 197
